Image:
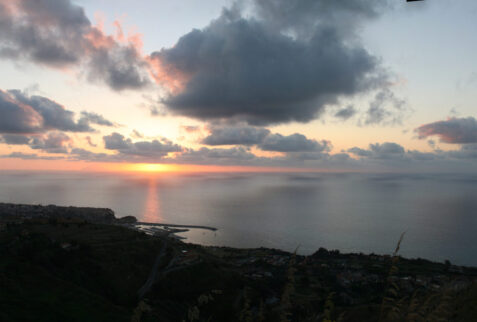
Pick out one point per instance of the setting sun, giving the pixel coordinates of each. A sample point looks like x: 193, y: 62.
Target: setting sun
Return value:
x: 151, y: 167
x: 259, y: 160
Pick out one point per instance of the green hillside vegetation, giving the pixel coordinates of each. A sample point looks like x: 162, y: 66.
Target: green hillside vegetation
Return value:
x: 58, y: 270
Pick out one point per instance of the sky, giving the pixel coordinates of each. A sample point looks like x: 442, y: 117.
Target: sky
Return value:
x: 352, y: 85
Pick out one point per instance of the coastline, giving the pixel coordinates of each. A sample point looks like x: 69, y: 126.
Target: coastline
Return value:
x: 18, y: 213
x: 61, y: 252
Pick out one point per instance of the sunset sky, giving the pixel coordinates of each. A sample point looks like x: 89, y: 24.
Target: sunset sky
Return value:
x: 261, y: 84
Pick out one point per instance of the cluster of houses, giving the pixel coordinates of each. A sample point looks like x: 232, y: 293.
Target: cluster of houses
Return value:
x: 351, y: 275
x: 18, y: 213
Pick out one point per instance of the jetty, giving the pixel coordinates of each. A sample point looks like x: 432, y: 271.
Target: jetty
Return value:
x: 175, y: 225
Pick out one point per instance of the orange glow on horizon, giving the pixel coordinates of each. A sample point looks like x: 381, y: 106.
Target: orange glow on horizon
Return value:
x: 181, y: 168
x: 12, y: 164
x: 150, y: 167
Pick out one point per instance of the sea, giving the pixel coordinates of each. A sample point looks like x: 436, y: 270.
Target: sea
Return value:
x: 349, y: 212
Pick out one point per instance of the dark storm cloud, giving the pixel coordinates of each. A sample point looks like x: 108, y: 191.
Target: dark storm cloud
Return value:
x: 231, y: 156
x: 317, y: 158
x: 295, y: 147
x: 54, y: 115
x: 76, y: 154
x: 121, y: 67
x: 85, y: 155
x: 238, y: 134
x: 57, y: 33
x: 386, y: 150
x: 29, y: 156
x: 17, y: 117
x: 360, y: 152
x: 346, y: 113
x: 242, y: 134
x: 422, y: 156
x: 340, y: 157
x: 155, y: 151
x: 46, y: 31
x: 453, y: 130
x: 303, y: 16
x: 14, y: 139
x: 466, y: 152
x: 155, y: 148
x: 235, y: 155
x: 24, y: 114
x: 293, y: 143
x: 245, y: 69
x: 378, y: 157
x: 307, y: 156
x: 53, y: 142
x: 40, y: 123
x: 116, y: 141
x: 394, y: 155
x: 94, y: 118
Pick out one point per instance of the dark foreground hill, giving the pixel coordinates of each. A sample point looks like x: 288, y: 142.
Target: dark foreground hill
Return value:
x: 54, y: 269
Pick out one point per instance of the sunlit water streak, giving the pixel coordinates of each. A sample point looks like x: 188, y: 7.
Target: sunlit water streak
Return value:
x: 349, y: 212
x: 152, y: 208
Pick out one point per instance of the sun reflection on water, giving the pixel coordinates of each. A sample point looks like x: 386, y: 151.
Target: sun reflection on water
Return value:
x: 152, y: 211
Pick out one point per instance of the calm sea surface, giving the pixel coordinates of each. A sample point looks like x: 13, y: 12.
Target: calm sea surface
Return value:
x: 350, y: 212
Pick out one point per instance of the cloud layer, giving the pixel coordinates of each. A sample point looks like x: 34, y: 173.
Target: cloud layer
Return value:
x: 18, y: 117
x: 237, y: 134
x: 293, y: 143
x: 273, y: 62
x: 262, y: 138
x: 270, y: 68
x: 150, y: 149
x: 453, y: 130
x: 25, y: 114
x: 386, y: 156
x: 284, y: 61
x: 40, y: 123
x: 57, y: 33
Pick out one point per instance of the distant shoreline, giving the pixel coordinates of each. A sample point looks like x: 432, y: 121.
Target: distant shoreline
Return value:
x: 16, y: 213
x: 103, y: 268
x: 11, y: 213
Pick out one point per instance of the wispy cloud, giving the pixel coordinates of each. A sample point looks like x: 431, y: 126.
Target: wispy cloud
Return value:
x: 454, y: 130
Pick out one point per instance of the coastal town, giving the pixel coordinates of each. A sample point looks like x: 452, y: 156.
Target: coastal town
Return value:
x: 143, y: 271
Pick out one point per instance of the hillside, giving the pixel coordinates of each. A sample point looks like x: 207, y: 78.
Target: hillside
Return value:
x: 75, y: 270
